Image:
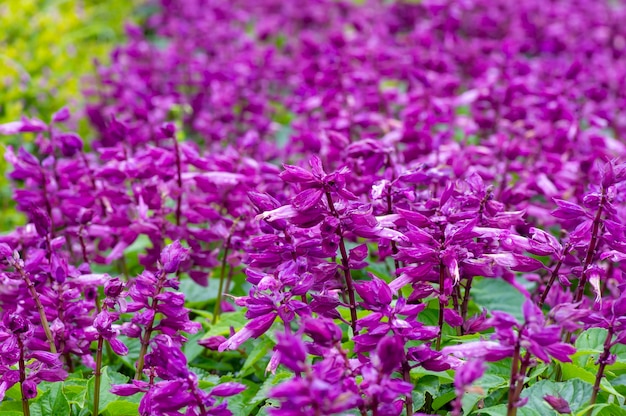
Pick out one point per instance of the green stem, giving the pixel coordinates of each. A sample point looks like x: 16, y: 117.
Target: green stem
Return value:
x: 218, y: 301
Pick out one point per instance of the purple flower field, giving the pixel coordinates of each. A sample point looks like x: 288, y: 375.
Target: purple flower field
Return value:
x: 328, y: 207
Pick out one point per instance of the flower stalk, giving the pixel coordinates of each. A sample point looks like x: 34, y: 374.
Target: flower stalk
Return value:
x: 345, y: 265
x: 22, y: 369
x: 597, y: 221
x: 145, y: 340
x: 603, y: 360
x: 218, y: 302
x: 553, y: 277
x: 442, y: 305
x: 42, y: 312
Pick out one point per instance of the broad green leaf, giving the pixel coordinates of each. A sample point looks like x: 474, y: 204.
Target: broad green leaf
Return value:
x: 11, y: 412
x: 571, y: 371
x: 501, y: 368
x: 191, y: 348
x: 237, y: 320
x: 197, y: 296
x: 443, y: 376
x: 134, y: 346
x: 590, y: 344
x: 576, y: 392
x: 602, y: 409
x: 425, y: 384
x: 241, y: 404
x: 487, y: 383
x: 381, y: 269
x: 132, y: 252
x: 272, y: 381
x: 121, y: 408
x: 498, y: 295
x: 8, y: 406
x: 14, y: 393
x: 619, y: 383
x: 444, y: 397
x: 258, y: 352
x: 50, y: 402
x: 500, y: 410
x: 74, y: 389
x: 108, y: 378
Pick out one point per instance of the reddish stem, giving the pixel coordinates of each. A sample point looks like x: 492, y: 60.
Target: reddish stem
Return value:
x: 592, y: 248
x: 602, y: 365
x: 145, y: 340
x: 22, y: 367
x: 179, y: 180
x: 346, y: 266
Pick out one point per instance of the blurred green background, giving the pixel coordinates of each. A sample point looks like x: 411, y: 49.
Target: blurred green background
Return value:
x: 47, y: 48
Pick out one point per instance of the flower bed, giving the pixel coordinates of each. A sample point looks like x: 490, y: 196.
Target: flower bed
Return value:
x: 328, y: 207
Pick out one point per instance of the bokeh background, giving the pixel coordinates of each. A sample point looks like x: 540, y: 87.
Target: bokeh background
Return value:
x: 48, y: 50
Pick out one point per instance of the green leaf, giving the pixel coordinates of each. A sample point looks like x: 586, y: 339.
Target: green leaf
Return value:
x: 571, y: 371
x: 576, y: 392
x: 241, y: 404
x: 501, y: 368
x: 602, y: 409
x: 235, y: 319
x: 590, y: 344
x: 500, y: 410
x: 132, y: 252
x: 381, y: 269
x: 619, y: 383
x: 443, y: 376
x: 426, y: 384
x: 191, y: 348
x: 272, y: 381
x: 134, y: 346
x: 197, y: 296
x: 51, y: 402
x: 122, y: 408
x: 443, y: 398
x: 14, y: 393
x: 498, y: 295
x: 107, y: 379
x: 9, y: 406
x: 74, y: 388
x: 258, y: 352
x: 487, y: 383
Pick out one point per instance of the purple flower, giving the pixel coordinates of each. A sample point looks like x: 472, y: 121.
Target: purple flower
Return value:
x: 172, y: 255
x: 467, y: 374
x: 389, y: 354
x: 227, y: 389
x: 558, y: 403
x: 292, y: 352
x: 252, y: 329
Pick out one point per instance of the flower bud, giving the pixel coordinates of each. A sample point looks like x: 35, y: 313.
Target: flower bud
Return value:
x: 172, y: 256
